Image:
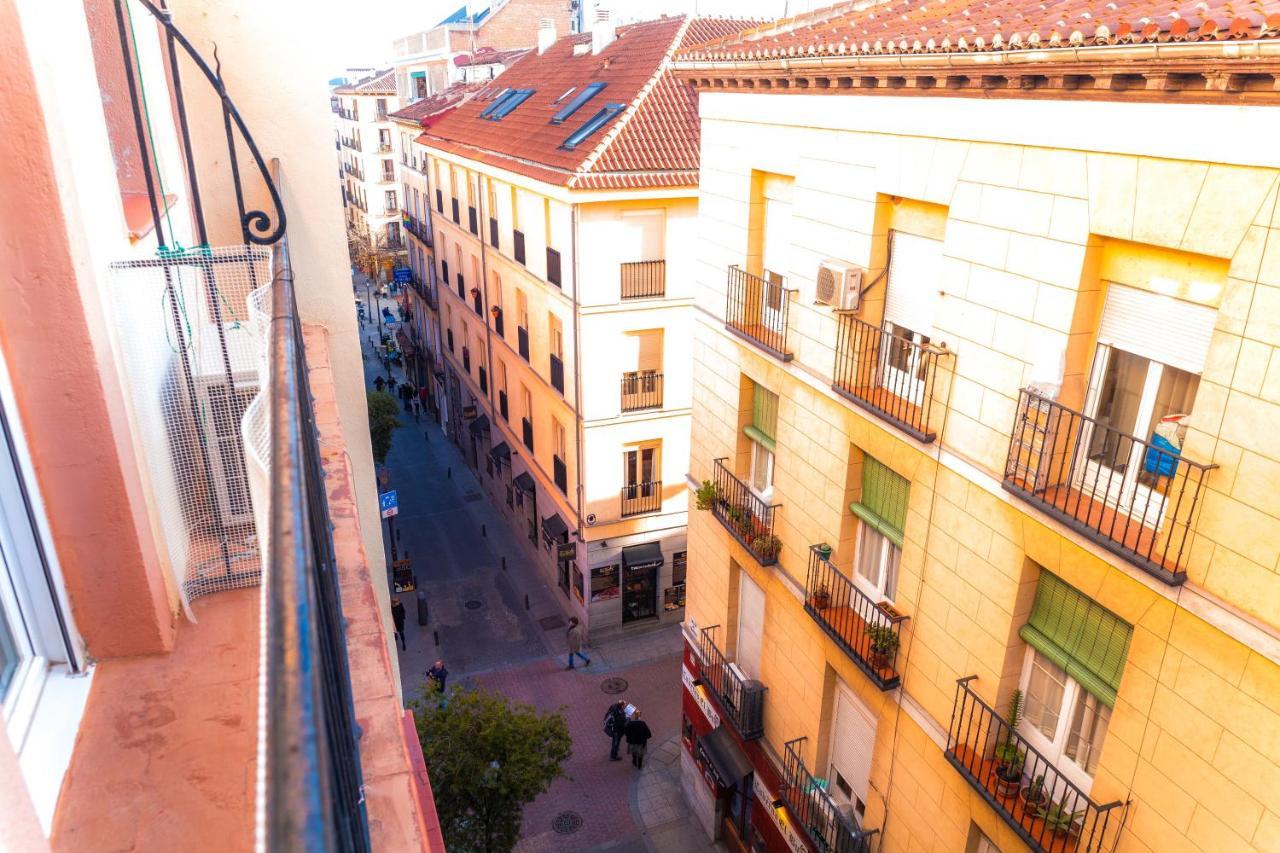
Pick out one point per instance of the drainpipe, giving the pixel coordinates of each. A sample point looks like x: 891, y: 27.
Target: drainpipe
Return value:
x: 485, y: 305
x: 577, y: 369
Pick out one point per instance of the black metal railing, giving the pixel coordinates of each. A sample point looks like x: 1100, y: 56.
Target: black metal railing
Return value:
x: 740, y: 697
x: 745, y: 515
x: 870, y: 632
x: 814, y: 810
x: 641, y: 389
x: 498, y: 324
x: 560, y: 473
x: 462, y: 286
x: 448, y: 339
x: 526, y: 432
x: 557, y: 373
x: 384, y: 147
x: 388, y: 176
x: 482, y: 376
x: 757, y: 309
x: 517, y: 242
x: 493, y: 232
x: 466, y: 359
x: 522, y: 341
x: 444, y: 272
x: 888, y: 374
x: 418, y: 228
x: 1045, y: 808
x: 353, y: 144
x: 473, y: 224
x: 502, y: 405
x: 644, y: 279
x: 641, y: 498
x: 439, y: 201
x: 553, y: 266
x: 457, y: 217
x: 1138, y: 499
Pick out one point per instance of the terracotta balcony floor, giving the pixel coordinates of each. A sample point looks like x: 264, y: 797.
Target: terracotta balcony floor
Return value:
x: 845, y: 622
x: 884, y: 401
x: 166, y: 754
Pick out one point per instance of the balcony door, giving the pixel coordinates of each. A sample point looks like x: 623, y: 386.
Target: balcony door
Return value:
x: 640, y: 469
x: 853, y: 742
x: 915, y: 274
x: 775, y: 261
x: 1146, y: 372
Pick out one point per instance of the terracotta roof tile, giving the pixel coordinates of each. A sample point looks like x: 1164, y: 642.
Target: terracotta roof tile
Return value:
x: 381, y: 83
x: 422, y: 112
x: 947, y: 26
x: 653, y: 142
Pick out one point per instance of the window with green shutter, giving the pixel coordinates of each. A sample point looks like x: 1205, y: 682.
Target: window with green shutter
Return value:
x: 883, y: 505
x: 764, y: 417
x: 1079, y: 635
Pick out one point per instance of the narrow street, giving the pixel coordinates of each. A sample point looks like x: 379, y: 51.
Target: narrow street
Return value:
x: 497, y: 624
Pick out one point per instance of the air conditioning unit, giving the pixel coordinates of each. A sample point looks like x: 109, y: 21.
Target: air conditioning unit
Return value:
x: 839, y: 285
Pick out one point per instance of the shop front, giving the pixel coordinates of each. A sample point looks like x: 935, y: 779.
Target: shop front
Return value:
x: 641, y: 565
x: 631, y: 581
x: 526, y: 496
x: 479, y: 430
x: 555, y: 536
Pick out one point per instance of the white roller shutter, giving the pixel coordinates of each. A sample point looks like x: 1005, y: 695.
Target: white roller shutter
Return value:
x: 915, y: 276
x: 1157, y: 327
x: 853, y: 741
x: 777, y: 237
x: 750, y: 625
x: 642, y: 235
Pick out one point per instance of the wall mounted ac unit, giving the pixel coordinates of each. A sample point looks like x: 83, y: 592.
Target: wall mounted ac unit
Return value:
x: 839, y: 285
x: 221, y: 408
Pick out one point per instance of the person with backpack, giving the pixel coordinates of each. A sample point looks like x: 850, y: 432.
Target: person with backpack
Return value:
x: 615, y: 726
x: 638, y: 735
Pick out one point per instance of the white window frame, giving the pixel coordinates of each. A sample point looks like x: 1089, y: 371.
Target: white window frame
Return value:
x: 1055, y: 749
x: 757, y: 449
x: 888, y: 553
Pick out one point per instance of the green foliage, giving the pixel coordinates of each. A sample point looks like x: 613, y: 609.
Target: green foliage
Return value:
x: 382, y: 422
x: 884, y: 640
x: 1058, y: 819
x: 706, y: 495
x: 487, y: 758
x: 1008, y: 756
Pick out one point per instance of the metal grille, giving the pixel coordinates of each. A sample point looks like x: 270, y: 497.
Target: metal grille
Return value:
x: 192, y: 361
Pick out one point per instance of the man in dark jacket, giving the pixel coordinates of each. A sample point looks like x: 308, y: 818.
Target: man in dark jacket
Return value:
x: 397, y: 618
x: 638, y: 735
x: 615, y: 726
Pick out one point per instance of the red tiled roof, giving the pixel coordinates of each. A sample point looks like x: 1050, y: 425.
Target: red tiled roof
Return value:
x: 490, y: 56
x: 422, y: 112
x: 381, y: 83
x: 948, y: 26
x: 653, y: 142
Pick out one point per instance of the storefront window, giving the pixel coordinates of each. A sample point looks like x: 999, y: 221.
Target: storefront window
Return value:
x: 673, y: 596
x: 605, y: 582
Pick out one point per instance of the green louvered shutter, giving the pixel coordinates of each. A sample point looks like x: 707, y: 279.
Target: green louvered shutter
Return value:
x: 1084, y: 638
x: 884, y: 500
x: 764, y: 417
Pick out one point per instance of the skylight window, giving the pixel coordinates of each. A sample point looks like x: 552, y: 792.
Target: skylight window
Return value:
x: 496, y: 102
x: 592, y: 124
x: 573, y: 106
x: 567, y: 93
x: 502, y: 107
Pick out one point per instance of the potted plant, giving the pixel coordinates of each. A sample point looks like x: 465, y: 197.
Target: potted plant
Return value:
x: 824, y: 551
x: 884, y: 645
x: 820, y: 598
x: 1009, y: 758
x: 705, y: 497
x: 1034, y: 795
x: 768, y: 546
x: 1059, y: 821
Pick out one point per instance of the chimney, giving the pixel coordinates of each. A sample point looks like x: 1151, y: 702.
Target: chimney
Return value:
x: 546, y: 34
x: 603, y: 31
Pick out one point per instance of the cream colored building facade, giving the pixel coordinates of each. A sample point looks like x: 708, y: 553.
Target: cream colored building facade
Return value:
x: 366, y: 152
x: 970, y: 437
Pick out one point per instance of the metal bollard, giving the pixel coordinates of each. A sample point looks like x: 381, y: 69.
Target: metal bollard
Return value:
x: 436, y: 635
x: 484, y: 532
x: 423, y: 616
x: 450, y: 473
x: 504, y: 563
x: 526, y: 601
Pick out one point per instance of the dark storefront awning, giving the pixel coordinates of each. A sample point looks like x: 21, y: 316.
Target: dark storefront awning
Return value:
x: 730, y: 762
x: 642, y: 556
x: 501, y: 452
x: 553, y: 526
x: 524, y: 483
x: 480, y: 424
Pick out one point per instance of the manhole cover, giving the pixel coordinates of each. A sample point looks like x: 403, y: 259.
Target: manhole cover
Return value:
x: 567, y: 823
x: 473, y: 604
x: 614, y: 685
x: 550, y: 623
x: 472, y: 497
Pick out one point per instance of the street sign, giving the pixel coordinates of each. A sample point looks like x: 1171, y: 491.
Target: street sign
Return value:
x: 389, y: 504
x: 403, y: 274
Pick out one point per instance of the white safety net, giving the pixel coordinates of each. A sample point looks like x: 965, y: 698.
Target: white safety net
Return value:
x: 191, y: 330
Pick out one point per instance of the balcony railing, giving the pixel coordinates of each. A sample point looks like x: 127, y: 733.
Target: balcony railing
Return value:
x: 517, y: 241
x: 526, y: 432
x: 1138, y: 499
x: 466, y: 359
x: 553, y: 266
x: 381, y: 115
x: 502, y: 405
x: 418, y: 228
x: 641, y: 498
x: 457, y: 217
x: 741, y: 698
x: 557, y: 373
x: 745, y: 515
x: 498, y: 324
x: 439, y: 201
x: 384, y: 147
x: 522, y: 341
x: 870, y: 632
x: 388, y: 177
x: 889, y: 375
x: 473, y: 224
x: 757, y: 310
x: 1055, y: 816
x: 462, y: 286
x: 477, y: 303
x: 560, y: 473
x: 493, y: 232
x: 644, y: 279
x: 814, y: 810
x: 641, y: 390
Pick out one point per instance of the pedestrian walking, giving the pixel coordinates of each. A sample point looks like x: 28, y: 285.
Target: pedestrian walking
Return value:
x: 379, y: 383
x: 615, y: 726
x: 576, y: 636
x: 437, y: 675
x: 397, y: 618
x: 637, y: 734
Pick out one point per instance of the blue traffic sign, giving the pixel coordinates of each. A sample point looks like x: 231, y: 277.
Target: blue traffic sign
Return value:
x: 402, y: 274
x: 389, y: 504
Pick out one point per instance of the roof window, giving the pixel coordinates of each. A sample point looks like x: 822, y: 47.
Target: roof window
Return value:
x: 567, y: 93
x: 502, y: 107
x: 592, y: 124
x: 573, y: 106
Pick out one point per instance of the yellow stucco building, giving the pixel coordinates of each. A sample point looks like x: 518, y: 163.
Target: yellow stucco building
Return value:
x: 986, y: 404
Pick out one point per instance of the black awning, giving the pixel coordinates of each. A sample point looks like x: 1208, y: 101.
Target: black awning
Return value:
x: 642, y: 556
x: 524, y: 483
x: 730, y: 762
x: 480, y: 424
x: 553, y: 526
x: 501, y: 452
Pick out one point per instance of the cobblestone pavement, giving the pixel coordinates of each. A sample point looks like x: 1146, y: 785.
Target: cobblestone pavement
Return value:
x: 484, y: 622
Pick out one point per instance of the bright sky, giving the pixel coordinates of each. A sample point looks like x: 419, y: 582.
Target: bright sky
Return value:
x: 369, y: 34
